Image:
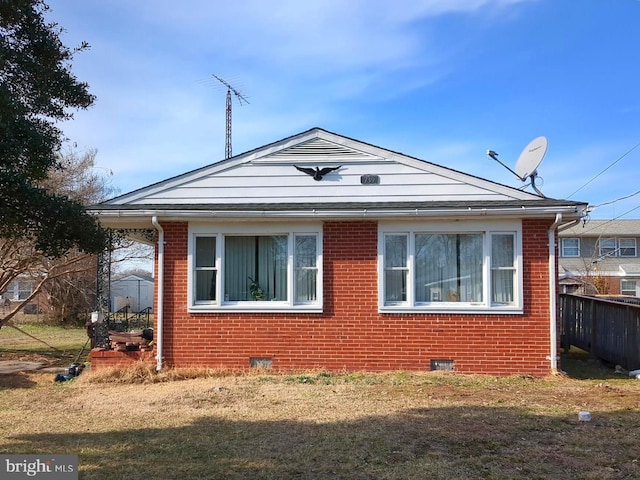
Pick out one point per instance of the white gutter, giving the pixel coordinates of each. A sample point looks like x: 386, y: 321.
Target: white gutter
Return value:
x: 159, y: 307
x: 181, y: 214
x: 553, y: 321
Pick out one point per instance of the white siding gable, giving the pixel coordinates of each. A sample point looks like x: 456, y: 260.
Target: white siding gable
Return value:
x: 268, y: 176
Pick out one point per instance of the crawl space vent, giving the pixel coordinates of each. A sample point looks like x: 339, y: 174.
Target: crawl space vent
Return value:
x: 441, y: 364
x: 260, y: 362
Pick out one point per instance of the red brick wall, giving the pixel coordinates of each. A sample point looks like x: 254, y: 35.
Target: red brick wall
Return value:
x: 110, y: 358
x: 350, y: 333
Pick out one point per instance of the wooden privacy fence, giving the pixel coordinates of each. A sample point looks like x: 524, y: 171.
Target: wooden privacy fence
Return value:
x: 607, y: 329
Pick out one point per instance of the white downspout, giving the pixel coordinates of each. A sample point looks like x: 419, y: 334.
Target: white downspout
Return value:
x: 159, y: 307
x: 553, y: 354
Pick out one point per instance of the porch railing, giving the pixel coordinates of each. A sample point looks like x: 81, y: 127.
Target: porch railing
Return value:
x: 122, y: 320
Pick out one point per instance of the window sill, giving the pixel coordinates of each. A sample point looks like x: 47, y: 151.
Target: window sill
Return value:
x: 257, y: 308
x: 471, y: 310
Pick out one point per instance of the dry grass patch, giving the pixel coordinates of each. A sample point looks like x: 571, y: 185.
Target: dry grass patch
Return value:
x: 135, y: 423
x: 316, y: 425
x: 144, y: 373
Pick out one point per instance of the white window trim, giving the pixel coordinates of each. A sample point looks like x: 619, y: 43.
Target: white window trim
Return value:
x: 564, y: 254
x: 487, y: 228
x: 220, y: 231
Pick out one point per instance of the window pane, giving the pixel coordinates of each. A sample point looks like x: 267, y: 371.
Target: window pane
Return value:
x: 502, y: 286
x: 205, y: 251
x: 448, y: 267
x: 395, y: 266
x: 395, y: 283
x: 256, y: 268
x: 502, y: 249
x: 395, y: 251
x: 570, y: 247
x: 205, y: 272
x: 306, y: 285
x: 24, y: 290
x: 627, y: 284
x: 608, y: 246
x: 205, y: 285
x: 305, y: 251
x: 503, y: 269
x: 627, y: 247
x: 306, y: 271
x: 628, y: 287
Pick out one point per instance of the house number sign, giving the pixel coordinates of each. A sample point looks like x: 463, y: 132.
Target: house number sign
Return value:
x: 369, y: 179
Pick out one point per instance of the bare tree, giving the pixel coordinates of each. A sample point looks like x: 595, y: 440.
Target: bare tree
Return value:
x: 66, y: 282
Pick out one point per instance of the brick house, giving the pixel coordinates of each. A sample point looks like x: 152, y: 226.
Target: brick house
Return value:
x: 323, y: 252
x: 600, y: 256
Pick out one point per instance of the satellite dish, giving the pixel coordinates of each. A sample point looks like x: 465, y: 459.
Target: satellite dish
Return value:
x: 530, y: 158
x: 528, y: 162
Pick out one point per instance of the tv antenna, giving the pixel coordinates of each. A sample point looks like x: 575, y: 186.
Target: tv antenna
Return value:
x: 528, y: 162
x: 241, y: 98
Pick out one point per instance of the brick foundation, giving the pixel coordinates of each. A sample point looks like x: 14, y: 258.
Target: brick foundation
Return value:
x: 110, y: 358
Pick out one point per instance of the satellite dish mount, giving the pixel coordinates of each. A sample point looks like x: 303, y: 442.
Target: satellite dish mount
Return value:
x: 528, y: 162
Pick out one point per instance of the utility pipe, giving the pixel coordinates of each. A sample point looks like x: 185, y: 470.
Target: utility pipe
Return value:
x: 553, y: 353
x: 159, y: 307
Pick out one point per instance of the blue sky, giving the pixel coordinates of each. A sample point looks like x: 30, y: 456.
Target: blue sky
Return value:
x: 441, y: 80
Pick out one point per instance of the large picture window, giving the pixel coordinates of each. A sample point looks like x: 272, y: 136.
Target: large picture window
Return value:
x: 450, y: 270
x: 448, y: 267
x: 264, y: 270
x: 255, y: 268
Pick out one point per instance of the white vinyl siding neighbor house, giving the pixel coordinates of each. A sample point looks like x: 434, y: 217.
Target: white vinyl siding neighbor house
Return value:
x: 604, y: 249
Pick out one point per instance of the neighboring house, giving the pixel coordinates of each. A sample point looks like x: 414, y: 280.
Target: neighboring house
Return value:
x: 132, y: 291
x: 323, y: 252
x: 601, y: 256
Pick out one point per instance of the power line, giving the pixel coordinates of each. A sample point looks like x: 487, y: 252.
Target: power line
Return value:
x: 627, y: 153
x: 617, y: 199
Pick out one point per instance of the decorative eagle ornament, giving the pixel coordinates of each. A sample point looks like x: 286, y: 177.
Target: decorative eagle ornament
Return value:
x: 317, y: 173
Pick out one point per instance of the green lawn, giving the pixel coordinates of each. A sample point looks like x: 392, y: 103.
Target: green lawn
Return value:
x: 56, y: 346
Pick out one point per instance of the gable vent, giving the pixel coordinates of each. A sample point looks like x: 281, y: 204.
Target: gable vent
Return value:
x: 319, y: 150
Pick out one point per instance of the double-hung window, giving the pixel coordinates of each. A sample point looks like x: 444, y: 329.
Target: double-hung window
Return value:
x: 267, y: 269
x: 607, y: 247
x: 617, y: 247
x: 435, y: 267
x: 627, y: 247
x: 628, y: 287
x: 570, y: 247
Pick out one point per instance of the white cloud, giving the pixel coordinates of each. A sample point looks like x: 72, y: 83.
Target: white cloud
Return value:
x: 300, y: 63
